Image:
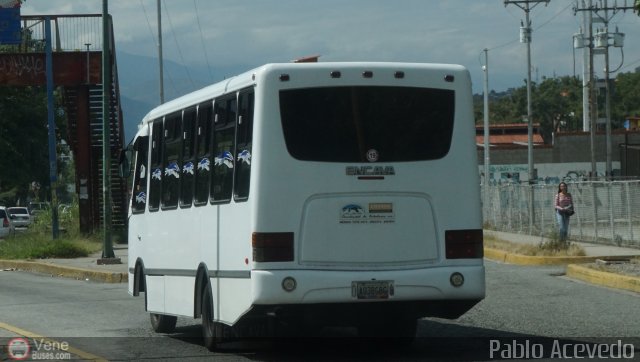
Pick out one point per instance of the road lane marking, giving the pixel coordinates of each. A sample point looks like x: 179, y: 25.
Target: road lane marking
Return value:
x: 24, y: 333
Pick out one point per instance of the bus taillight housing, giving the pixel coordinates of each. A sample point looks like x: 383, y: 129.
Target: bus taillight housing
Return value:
x: 464, y: 244
x: 272, y: 247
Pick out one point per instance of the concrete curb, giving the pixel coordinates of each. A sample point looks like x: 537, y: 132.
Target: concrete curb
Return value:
x: 65, y: 271
x: 506, y: 257
x: 603, y: 278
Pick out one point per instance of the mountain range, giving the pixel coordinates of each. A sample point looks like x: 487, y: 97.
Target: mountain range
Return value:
x: 138, y: 78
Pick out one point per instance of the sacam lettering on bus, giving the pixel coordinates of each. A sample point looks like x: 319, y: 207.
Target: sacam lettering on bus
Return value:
x: 370, y: 170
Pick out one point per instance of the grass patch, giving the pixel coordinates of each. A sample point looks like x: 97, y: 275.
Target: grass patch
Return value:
x: 37, y: 241
x: 37, y: 246
x: 552, y: 247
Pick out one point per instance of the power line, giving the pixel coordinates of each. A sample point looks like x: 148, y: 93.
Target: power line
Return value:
x: 144, y: 10
x: 154, y: 41
x: 537, y: 28
x: 555, y: 16
x: 175, y: 39
x: 204, y: 48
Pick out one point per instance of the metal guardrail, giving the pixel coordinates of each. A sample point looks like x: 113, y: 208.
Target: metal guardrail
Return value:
x: 607, y: 212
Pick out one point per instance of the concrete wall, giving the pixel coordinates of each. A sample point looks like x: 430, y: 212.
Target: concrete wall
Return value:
x: 570, y: 153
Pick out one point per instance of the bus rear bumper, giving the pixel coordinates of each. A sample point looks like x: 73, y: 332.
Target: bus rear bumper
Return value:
x: 425, y: 292
x: 354, y: 314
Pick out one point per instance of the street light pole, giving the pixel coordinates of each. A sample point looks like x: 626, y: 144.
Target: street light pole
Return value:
x: 487, y: 174
x: 107, y: 251
x: 609, y: 172
x: 160, y: 53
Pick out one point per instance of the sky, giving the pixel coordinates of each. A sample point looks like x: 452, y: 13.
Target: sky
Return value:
x: 219, y: 34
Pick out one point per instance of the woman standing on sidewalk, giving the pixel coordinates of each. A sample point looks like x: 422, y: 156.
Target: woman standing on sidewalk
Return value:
x: 564, y: 209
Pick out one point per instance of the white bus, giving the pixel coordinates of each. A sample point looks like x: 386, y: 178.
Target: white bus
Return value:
x: 310, y: 194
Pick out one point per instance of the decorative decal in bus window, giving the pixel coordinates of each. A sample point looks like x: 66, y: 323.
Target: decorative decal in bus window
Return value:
x: 156, y: 174
x: 225, y: 158
x: 204, y: 164
x: 245, y: 157
x: 172, y: 170
x: 188, y: 168
x: 141, y: 198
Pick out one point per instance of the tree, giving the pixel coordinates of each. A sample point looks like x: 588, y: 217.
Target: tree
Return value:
x: 557, y: 105
x: 626, y: 98
x: 23, y: 135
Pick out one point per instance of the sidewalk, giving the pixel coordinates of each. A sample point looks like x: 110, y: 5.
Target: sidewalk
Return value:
x: 85, y: 268
x: 592, y: 250
x: 574, y: 269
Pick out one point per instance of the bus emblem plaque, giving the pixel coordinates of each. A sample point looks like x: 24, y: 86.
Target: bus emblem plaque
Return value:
x: 372, y: 155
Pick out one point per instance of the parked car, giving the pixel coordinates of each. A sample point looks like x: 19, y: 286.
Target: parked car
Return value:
x: 6, y: 226
x: 20, y: 216
x: 36, y: 207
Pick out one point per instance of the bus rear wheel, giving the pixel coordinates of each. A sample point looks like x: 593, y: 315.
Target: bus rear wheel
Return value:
x: 162, y: 323
x: 212, y: 332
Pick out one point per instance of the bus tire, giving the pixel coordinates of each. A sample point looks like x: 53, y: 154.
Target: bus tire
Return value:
x: 212, y: 332
x: 162, y: 323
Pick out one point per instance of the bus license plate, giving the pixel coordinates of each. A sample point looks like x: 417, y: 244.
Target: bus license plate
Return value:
x: 381, y: 289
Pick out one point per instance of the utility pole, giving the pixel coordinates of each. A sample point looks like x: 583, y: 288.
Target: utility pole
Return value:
x: 525, y: 37
x: 600, y: 44
x: 589, y: 106
x: 51, y: 124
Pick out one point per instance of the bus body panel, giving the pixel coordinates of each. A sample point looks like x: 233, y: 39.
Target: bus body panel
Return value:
x: 155, y: 293
x: 346, y: 228
x: 235, y: 299
x: 179, y: 294
x: 371, y: 230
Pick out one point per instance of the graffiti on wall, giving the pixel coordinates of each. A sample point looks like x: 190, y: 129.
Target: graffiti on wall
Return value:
x: 22, y: 66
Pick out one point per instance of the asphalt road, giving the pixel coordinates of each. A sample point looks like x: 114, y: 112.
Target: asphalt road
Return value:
x: 535, y: 304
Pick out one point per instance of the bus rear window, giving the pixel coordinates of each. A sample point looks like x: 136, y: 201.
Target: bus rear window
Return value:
x: 343, y: 124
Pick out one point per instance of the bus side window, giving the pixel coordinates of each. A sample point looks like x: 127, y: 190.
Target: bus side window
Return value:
x: 225, y: 110
x: 203, y: 131
x: 243, y: 148
x: 139, y: 192
x: 188, y: 157
x: 172, y: 168
x: 155, y: 187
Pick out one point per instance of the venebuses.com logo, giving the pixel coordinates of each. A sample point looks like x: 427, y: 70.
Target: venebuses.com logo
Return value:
x: 19, y: 349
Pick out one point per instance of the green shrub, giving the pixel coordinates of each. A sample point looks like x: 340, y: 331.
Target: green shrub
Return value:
x: 37, y: 242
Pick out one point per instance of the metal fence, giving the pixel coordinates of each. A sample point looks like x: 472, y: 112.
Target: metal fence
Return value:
x: 69, y: 32
x: 607, y: 212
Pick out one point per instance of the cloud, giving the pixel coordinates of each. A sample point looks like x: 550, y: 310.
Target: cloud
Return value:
x: 254, y: 32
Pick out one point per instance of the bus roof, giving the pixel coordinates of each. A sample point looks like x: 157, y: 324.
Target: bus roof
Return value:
x: 249, y: 77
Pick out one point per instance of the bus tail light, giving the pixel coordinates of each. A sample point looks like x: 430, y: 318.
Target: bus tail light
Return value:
x: 464, y: 244
x: 270, y: 247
